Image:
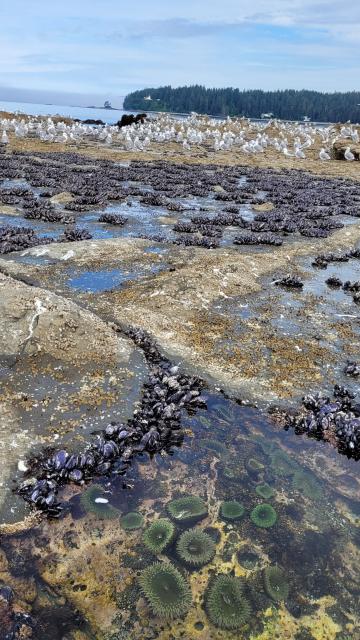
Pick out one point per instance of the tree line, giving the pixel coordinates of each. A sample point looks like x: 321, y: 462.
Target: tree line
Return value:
x: 286, y: 104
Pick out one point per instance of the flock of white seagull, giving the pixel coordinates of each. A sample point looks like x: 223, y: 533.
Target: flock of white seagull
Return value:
x: 292, y: 140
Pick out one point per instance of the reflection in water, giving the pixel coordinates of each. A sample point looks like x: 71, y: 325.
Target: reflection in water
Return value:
x: 245, y: 532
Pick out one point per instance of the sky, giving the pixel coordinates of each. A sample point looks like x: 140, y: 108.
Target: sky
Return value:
x: 77, y: 52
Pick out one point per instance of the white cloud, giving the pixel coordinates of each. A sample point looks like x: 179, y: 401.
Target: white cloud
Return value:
x: 113, y: 46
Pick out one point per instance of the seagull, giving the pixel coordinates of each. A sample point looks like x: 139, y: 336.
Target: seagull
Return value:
x: 300, y: 154
x: 323, y: 155
x: 4, y: 138
x: 287, y: 153
x: 348, y: 155
x: 245, y: 148
x: 345, y: 132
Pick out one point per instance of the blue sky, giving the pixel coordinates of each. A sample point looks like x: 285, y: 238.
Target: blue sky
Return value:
x: 83, y: 52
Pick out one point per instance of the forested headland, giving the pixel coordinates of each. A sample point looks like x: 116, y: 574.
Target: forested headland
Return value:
x: 286, y: 104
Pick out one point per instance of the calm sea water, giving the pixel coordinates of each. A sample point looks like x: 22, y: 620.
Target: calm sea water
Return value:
x: 82, y: 113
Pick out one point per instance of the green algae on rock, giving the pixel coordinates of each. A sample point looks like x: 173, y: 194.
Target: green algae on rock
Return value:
x: 231, y: 510
x: 226, y: 605
x: 264, y: 515
x: 264, y: 490
x: 275, y: 583
x: 132, y: 520
x: 187, y: 509
x: 166, y: 590
x: 159, y: 535
x: 94, y: 500
x: 195, y: 548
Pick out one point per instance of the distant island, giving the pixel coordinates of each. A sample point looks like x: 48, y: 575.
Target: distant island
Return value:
x: 286, y: 104
x: 107, y: 105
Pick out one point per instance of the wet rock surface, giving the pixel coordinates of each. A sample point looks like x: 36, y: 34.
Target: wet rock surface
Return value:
x: 34, y: 321
x: 60, y: 366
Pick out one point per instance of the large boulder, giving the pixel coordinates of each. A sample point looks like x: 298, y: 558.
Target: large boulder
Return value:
x: 340, y: 147
x: 128, y: 119
x: 34, y: 321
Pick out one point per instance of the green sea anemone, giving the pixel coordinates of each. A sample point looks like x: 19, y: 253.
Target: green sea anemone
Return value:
x: 307, y: 484
x: 195, y: 547
x: 132, y: 520
x: 254, y: 467
x: 159, y: 535
x: 214, y: 534
x: 232, y: 510
x: 167, y: 592
x: 95, y: 500
x: 247, y: 557
x: 226, y: 605
x: 231, y: 473
x: 187, y: 509
x: 275, y: 583
x: 264, y: 490
x: 264, y: 515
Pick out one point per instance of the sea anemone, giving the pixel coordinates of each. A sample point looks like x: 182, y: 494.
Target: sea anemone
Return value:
x: 132, y: 520
x: 247, y: 557
x: 166, y: 590
x: 94, y: 500
x: 159, y: 535
x: 254, y: 467
x: 264, y: 490
x: 214, y: 534
x: 231, y: 473
x: 307, y: 484
x: 195, y: 547
x: 264, y: 515
x: 187, y: 509
x: 275, y: 583
x: 226, y: 605
x: 232, y: 510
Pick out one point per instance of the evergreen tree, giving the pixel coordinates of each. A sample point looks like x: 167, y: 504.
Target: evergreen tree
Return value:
x: 287, y: 104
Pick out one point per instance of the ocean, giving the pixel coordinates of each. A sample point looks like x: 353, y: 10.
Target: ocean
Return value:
x: 110, y: 116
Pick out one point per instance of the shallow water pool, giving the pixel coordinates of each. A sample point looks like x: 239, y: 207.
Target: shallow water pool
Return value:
x: 294, y: 561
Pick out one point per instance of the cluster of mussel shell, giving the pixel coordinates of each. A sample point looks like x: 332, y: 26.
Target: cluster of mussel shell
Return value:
x: 340, y: 416
x: 155, y: 426
x: 302, y: 203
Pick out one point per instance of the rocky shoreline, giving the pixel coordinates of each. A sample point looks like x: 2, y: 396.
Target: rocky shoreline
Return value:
x: 178, y: 282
